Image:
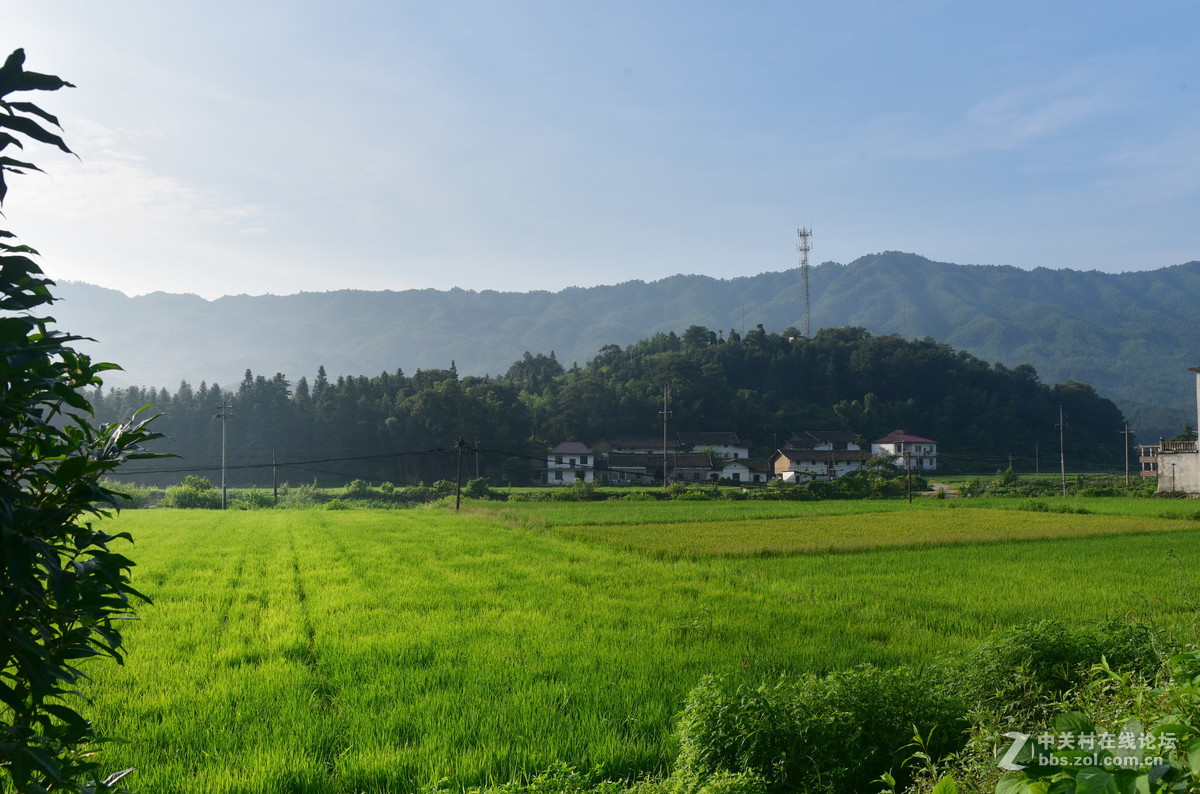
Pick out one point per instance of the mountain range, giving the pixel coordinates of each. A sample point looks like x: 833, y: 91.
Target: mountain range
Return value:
x: 1130, y: 335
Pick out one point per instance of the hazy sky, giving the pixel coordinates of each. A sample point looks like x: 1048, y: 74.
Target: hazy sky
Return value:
x: 264, y: 146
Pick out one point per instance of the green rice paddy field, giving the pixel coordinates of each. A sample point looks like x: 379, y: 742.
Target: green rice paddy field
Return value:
x: 341, y: 651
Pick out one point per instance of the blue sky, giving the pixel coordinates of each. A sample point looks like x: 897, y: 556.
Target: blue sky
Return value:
x: 279, y: 147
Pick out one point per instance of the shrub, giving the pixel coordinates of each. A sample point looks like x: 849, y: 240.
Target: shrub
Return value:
x: 477, y: 488
x: 1021, y: 672
x: 185, y: 497
x: 357, y: 489
x: 307, y: 495
x: 834, y: 733
x: 253, y: 499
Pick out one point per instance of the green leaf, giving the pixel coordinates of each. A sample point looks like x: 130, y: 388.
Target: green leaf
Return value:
x: 1192, y: 751
x: 33, y: 130
x: 29, y: 107
x: 1073, y: 722
x: 9, y: 162
x: 1095, y: 781
x: 945, y: 786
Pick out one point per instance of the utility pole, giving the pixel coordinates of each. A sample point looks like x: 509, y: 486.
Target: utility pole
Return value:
x: 224, y: 413
x: 666, y: 412
x: 460, y: 446
x: 1126, y: 433
x: 908, y: 474
x: 274, y: 476
x: 1062, y: 455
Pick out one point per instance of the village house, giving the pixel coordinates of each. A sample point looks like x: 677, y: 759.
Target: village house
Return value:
x: 688, y: 458
x: 1148, y: 459
x: 1179, y: 461
x: 915, y: 452
x: 818, y: 455
x: 568, y: 462
x: 722, y: 446
x: 648, y: 445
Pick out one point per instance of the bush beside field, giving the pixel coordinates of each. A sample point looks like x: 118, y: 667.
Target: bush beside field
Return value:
x: 906, y: 728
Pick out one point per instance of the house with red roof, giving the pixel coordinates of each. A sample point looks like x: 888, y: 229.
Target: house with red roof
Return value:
x: 915, y: 452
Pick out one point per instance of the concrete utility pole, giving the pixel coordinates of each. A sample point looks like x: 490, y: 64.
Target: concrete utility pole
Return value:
x: 908, y: 473
x: 1126, y: 433
x: 461, y: 446
x: 224, y: 413
x: 1062, y: 455
x: 666, y: 412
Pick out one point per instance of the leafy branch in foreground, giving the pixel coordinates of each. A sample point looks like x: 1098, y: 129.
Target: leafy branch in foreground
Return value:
x: 62, y: 589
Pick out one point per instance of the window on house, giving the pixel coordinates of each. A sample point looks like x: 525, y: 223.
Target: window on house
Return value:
x: 558, y: 475
x: 572, y: 461
x: 558, y: 458
x: 583, y: 460
x: 735, y: 456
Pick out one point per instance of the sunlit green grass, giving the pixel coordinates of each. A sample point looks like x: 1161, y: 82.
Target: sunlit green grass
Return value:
x: 857, y: 532
x: 384, y: 650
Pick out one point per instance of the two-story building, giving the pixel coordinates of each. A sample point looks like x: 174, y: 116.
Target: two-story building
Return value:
x: 914, y: 452
x: 722, y: 446
x: 818, y: 455
x: 568, y: 462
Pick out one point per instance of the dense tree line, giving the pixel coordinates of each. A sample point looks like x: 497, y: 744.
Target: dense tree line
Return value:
x: 764, y: 386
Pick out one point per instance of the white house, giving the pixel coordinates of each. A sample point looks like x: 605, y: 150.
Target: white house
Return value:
x: 921, y: 452
x: 818, y: 455
x: 1179, y: 461
x: 734, y: 469
x: 722, y: 445
x: 568, y: 462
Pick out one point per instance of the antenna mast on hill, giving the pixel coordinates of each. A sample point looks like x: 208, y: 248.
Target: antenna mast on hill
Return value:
x: 804, y: 246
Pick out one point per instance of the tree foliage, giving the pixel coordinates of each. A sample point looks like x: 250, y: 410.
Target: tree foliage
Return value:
x: 762, y: 385
x: 62, y: 589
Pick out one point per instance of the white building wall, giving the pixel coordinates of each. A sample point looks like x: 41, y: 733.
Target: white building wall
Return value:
x: 922, y: 456
x: 1179, y: 472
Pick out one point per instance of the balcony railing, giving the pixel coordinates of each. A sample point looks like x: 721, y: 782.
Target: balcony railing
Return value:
x: 1178, y: 446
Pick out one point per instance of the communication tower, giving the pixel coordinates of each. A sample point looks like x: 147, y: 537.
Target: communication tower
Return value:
x: 804, y: 246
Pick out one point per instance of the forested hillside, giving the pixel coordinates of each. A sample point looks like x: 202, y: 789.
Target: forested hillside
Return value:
x: 1132, y: 335
x: 763, y: 385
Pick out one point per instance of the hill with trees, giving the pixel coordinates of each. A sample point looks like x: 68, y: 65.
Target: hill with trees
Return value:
x: 763, y: 385
x: 1130, y: 335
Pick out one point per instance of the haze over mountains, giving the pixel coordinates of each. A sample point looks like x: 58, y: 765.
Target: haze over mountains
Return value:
x: 1130, y: 335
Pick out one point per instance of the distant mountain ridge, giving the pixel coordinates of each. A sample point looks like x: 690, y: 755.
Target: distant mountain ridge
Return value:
x: 1131, y: 335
